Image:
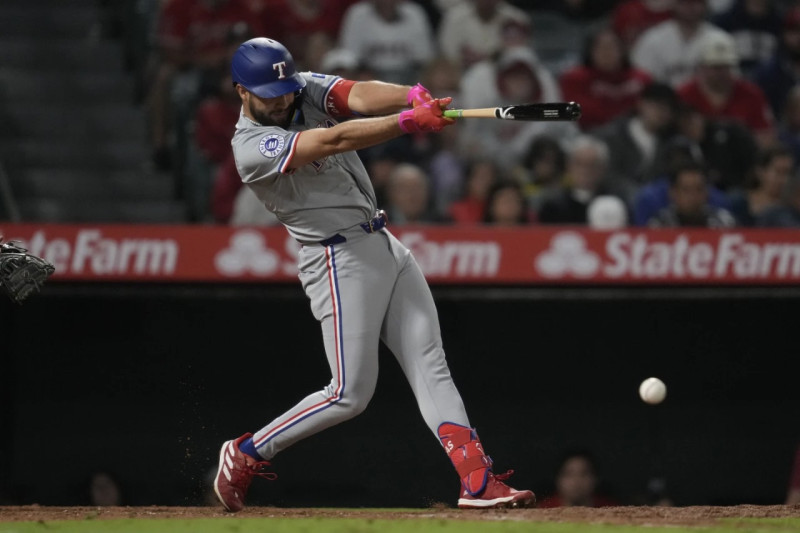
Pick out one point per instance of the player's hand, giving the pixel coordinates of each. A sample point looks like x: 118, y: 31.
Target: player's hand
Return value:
x: 418, y: 95
x: 426, y: 117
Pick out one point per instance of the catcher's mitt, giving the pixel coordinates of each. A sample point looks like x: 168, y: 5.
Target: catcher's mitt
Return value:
x: 20, y: 272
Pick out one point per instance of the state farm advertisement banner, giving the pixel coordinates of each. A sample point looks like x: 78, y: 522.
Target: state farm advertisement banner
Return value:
x: 455, y: 255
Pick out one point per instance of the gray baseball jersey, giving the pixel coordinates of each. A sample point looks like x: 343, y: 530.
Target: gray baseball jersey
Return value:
x: 319, y: 199
x: 364, y: 288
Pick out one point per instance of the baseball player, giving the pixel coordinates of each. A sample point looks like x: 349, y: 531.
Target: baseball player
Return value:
x: 363, y: 284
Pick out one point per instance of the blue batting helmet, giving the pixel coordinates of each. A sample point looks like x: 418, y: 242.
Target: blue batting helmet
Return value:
x: 265, y: 68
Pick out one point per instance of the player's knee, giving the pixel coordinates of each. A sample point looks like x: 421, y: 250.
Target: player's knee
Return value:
x: 355, y: 401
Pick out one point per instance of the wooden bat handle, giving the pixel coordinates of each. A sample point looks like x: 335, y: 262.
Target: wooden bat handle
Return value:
x: 486, y: 112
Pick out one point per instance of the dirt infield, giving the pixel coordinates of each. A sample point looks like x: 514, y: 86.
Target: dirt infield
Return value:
x: 678, y: 516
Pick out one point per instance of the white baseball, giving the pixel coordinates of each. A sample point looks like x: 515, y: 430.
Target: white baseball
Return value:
x: 653, y: 391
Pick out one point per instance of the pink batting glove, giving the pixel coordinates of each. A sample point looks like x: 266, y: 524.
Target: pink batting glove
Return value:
x: 418, y: 95
x: 425, y: 117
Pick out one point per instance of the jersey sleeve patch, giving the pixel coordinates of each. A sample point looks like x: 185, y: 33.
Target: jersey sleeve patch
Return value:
x: 271, y: 145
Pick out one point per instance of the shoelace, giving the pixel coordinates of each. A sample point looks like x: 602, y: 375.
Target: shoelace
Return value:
x: 503, y: 477
x: 257, y: 469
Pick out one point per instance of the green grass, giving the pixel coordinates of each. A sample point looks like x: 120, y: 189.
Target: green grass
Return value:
x: 355, y: 525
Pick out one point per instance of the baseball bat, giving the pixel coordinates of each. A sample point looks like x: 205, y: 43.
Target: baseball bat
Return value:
x: 544, y: 112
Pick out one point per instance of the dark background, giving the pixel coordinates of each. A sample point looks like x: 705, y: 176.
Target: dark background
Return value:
x: 146, y: 381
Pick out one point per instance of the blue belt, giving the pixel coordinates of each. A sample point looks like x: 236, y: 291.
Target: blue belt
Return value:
x: 376, y: 223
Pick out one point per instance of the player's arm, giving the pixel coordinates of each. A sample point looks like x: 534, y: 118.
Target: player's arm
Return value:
x: 380, y: 98
x: 318, y: 143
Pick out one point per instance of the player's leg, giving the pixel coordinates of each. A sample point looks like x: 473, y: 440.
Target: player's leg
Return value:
x: 411, y: 331
x: 349, y: 301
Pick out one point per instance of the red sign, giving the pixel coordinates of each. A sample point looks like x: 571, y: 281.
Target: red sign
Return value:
x: 469, y: 255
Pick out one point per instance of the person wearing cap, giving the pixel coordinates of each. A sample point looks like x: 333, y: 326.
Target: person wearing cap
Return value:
x: 669, y: 51
x: 516, y: 76
x: 392, y: 38
x: 718, y: 91
x: 755, y: 26
x: 781, y: 73
x: 605, y: 84
x: 472, y: 30
x: 637, y: 140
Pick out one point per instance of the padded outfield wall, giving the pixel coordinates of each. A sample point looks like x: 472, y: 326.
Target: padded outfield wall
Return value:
x: 145, y: 380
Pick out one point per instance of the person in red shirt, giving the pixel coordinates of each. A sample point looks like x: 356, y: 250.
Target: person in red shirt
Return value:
x: 214, y: 122
x: 718, y: 92
x: 631, y: 18
x: 296, y: 23
x: 605, y: 85
x: 471, y: 208
x: 192, y: 37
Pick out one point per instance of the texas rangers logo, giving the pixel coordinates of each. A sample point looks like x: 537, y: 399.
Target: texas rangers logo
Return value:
x: 280, y: 68
x: 271, y: 145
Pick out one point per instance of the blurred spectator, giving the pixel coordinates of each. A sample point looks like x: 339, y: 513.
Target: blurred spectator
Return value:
x: 728, y: 148
x: 655, y: 196
x: 793, y: 494
x: 505, y: 205
x: 471, y: 208
x: 213, y: 126
x: 717, y: 91
x: 689, y: 205
x: 669, y: 50
x: 192, y: 38
x: 301, y: 25
x: 604, y: 84
x: 587, y: 163
x: 442, y: 77
x: 781, y: 73
x: 215, y: 121
x: 632, y: 17
x: 472, y: 31
x: 515, y: 77
x: 786, y: 215
x: 444, y: 162
x: 340, y: 62
x: 104, y: 490
x: 637, y: 141
x: 391, y: 37
x: 381, y: 160
x: 789, y: 127
x: 770, y: 179
x: 607, y: 212
x: 577, y: 483
x: 227, y: 184
x: 755, y: 26
x: 408, y: 196
x: 446, y: 168
x: 542, y: 170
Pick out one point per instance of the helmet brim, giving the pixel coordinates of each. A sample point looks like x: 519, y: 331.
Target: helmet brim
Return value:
x: 272, y: 89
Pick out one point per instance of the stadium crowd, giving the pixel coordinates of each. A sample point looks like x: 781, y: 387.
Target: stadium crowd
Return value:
x: 691, y: 109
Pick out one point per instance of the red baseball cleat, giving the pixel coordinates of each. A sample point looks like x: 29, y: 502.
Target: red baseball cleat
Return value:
x: 235, y: 473
x: 496, y: 494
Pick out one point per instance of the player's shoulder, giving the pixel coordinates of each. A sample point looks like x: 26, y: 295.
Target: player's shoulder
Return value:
x: 252, y: 142
x: 318, y: 88
x: 318, y: 79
